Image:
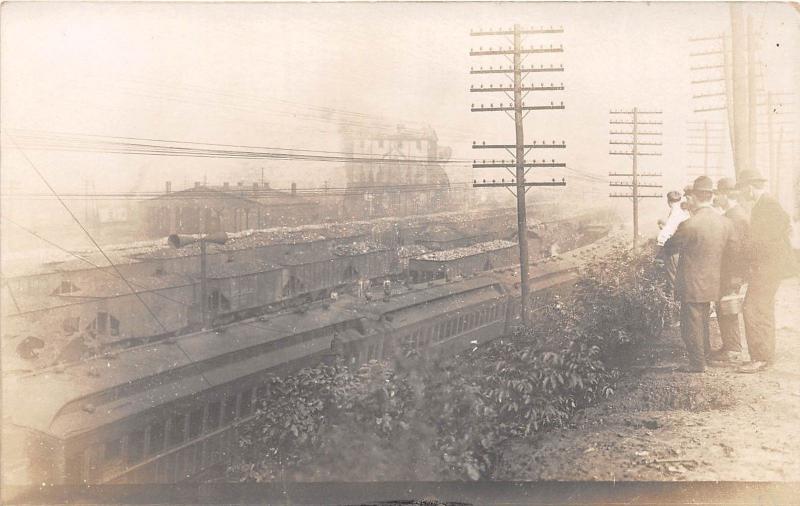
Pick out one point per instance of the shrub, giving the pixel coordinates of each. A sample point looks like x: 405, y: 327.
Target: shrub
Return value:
x: 451, y: 418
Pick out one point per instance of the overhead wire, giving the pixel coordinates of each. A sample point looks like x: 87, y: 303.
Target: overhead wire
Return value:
x: 116, y: 274
x: 88, y: 234
x: 118, y: 144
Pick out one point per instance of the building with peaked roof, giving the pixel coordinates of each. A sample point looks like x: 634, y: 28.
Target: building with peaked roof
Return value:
x: 226, y: 208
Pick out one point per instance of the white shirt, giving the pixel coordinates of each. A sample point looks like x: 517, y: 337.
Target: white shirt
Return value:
x: 676, y: 217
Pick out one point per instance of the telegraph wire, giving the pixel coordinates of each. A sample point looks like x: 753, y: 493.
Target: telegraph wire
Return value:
x: 117, y: 275
x: 117, y: 146
x: 89, y: 235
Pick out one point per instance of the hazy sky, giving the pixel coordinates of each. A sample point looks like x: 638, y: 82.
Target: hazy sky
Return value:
x: 279, y: 75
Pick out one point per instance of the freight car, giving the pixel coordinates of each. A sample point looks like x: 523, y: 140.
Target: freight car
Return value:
x: 169, y: 411
x: 464, y: 261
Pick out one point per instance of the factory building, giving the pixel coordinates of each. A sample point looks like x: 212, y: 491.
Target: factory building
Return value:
x: 394, y: 172
x: 226, y: 208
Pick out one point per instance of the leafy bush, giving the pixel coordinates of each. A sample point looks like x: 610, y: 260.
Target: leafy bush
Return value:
x: 451, y: 418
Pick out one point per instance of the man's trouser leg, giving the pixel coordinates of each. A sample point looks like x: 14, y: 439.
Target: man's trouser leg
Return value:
x: 759, y: 317
x: 671, y: 265
x: 695, y: 332
x: 729, y: 331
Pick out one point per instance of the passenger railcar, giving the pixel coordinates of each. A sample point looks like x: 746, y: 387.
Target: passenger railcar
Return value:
x: 169, y: 411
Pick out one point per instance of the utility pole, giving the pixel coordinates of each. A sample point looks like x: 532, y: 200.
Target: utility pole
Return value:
x: 180, y: 241
x: 752, y: 119
x: 739, y: 83
x: 778, y: 165
x: 777, y: 109
x: 705, y: 139
x: 635, y: 153
x: 517, y: 54
x: 204, y: 283
x: 713, y: 71
x: 771, y: 145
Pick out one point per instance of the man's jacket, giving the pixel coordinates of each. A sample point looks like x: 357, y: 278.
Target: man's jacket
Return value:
x: 735, y: 262
x: 702, y: 241
x: 769, y: 251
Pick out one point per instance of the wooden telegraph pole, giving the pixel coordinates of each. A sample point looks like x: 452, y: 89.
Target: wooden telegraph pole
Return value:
x: 635, y: 185
x: 706, y: 139
x: 517, y: 54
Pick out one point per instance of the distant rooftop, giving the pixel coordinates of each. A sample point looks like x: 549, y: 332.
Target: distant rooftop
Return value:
x: 257, y: 193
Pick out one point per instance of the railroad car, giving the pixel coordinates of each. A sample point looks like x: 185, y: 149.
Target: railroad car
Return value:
x: 169, y: 411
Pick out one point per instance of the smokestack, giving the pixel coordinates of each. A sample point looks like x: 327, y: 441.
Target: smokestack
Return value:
x: 294, y: 189
x: 168, y: 186
x: 225, y: 185
x: 197, y: 184
x: 255, y: 186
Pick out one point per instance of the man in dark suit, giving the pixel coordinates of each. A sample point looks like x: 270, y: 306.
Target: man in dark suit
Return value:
x: 770, y: 257
x: 734, y: 268
x: 702, y: 240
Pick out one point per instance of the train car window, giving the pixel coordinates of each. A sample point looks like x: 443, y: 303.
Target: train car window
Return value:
x: 195, y: 423
x: 101, y: 322
x: 246, y: 403
x: 177, y: 429
x: 114, y: 325
x: 113, y: 450
x: 74, y: 468
x: 229, y: 413
x: 135, y: 446
x: 156, y: 438
x: 212, y: 420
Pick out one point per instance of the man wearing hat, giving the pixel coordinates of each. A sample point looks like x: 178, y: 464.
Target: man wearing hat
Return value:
x: 702, y: 241
x: 770, y: 257
x: 734, y: 268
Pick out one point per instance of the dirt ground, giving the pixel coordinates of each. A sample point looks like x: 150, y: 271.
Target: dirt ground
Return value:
x: 665, y: 425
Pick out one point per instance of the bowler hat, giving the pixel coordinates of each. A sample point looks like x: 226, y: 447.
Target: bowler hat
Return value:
x: 725, y: 185
x: 748, y: 175
x: 703, y: 184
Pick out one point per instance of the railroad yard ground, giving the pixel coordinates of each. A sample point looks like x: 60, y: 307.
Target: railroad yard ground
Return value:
x: 662, y: 425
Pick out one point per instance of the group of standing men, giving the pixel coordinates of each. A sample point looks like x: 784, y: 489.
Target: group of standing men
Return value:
x: 715, y: 241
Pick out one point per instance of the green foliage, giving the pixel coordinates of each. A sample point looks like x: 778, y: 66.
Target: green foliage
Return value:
x: 451, y: 418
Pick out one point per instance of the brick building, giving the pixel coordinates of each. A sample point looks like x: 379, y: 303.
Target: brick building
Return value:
x: 394, y: 173
x: 226, y: 208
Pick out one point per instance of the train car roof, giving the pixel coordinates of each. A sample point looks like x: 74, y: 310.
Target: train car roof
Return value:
x: 235, y: 269
x: 425, y: 296
x: 98, y: 285
x: 43, y: 400
x: 451, y: 304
